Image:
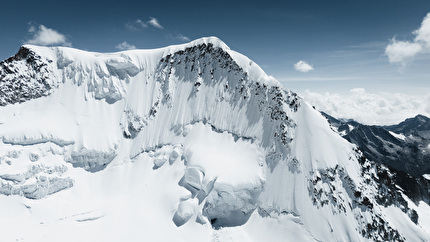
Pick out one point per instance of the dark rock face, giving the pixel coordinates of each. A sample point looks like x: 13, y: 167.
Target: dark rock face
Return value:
x: 418, y: 126
x: 379, y: 145
x: 407, y: 158
x: 23, y: 77
x: 323, y: 193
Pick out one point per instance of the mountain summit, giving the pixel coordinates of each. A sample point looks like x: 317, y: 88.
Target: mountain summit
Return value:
x: 191, y: 142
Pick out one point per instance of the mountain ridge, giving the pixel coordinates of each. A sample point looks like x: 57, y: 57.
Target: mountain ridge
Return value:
x: 407, y: 158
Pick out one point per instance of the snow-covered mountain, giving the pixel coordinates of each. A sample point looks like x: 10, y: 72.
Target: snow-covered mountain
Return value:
x: 185, y: 143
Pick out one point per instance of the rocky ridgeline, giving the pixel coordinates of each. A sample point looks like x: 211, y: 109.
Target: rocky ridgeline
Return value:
x: 23, y: 77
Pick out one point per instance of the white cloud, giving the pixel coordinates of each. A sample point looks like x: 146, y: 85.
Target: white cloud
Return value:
x: 125, y: 46
x: 403, y: 51
x: 46, y: 36
x: 182, y: 37
x: 303, y: 66
x: 179, y: 37
x: 31, y: 29
x: 423, y: 33
x: 139, y: 25
x: 370, y: 108
x: 154, y: 22
x: 136, y: 25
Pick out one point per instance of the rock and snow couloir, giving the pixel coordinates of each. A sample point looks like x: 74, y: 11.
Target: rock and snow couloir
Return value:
x: 191, y: 142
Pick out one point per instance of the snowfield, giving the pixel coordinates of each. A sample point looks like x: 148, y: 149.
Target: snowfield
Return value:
x: 185, y: 143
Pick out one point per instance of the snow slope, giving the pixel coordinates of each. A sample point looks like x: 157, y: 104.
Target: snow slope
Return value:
x: 185, y: 143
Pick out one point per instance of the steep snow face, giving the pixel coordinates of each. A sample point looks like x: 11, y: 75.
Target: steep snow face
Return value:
x: 190, y: 142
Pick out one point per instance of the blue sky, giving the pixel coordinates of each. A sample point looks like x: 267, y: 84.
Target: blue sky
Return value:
x: 344, y: 41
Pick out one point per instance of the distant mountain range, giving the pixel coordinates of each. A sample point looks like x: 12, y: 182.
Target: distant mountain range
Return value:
x: 404, y: 148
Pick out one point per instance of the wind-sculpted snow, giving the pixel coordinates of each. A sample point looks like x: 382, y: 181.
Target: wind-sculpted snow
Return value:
x: 188, y: 143
x: 37, y: 182
x: 231, y: 205
x: 91, y: 160
x: 106, y: 75
x: 42, y: 187
x: 38, y: 140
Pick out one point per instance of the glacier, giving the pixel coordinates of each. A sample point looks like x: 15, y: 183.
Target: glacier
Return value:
x: 192, y: 142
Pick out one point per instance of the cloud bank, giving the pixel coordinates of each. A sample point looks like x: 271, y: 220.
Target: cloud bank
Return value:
x: 303, y: 66
x: 125, y: 46
x: 46, y: 36
x: 370, y: 108
x: 403, y: 51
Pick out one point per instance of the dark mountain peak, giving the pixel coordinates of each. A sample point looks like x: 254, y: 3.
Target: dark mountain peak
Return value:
x: 422, y: 117
x: 418, y: 125
x: 22, y: 53
x: 23, y: 76
x: 341, y: 125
